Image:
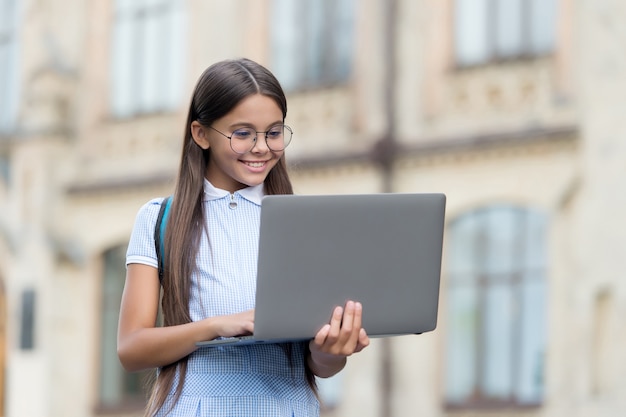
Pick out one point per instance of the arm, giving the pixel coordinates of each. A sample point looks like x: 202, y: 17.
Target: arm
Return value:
x: 142, y: 345
x: 337, y: 340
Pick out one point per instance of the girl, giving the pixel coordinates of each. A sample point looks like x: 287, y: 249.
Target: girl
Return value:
x: 233, y: 154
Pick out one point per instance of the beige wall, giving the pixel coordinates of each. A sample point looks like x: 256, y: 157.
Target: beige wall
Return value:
x: 547, y: 133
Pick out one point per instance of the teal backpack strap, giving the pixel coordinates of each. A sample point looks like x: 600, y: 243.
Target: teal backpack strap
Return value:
x: 159, y: 233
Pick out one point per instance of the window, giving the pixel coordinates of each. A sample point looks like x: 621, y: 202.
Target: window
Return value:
x: 602, y: 341
x: 8, y: 65
x: 490, y: 30
x: 3, y: 337
x: 312, y: 42
x: 118, y: 388
x: 5, y: 169
x: 27, y: 327
x: 495, y: 346
x: 147, y: 56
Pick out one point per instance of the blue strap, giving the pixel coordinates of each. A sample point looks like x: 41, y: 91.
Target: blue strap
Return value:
x: 168, y: 204
x: 159, y: 233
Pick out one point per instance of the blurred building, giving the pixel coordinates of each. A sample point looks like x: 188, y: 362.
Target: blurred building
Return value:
x: 514, y: 109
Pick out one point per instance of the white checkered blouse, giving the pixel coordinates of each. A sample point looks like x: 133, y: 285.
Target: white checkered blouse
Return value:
x: 240, y: 381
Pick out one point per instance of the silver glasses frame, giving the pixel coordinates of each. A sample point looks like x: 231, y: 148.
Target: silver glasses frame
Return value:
x: 265, y: 133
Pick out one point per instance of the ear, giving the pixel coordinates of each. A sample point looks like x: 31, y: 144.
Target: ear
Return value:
x: 199, y: 135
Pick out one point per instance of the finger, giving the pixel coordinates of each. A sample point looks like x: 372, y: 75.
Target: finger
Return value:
x: 248, y: 321
x: 335, y: 324
x: 358, y: 315
x: 348, y: 318
x: 320, y: 337
x: 363, y: 341
x: 358, y: 320
x: 351, y: 326
x: 337, y: 316
x: 249, y: 326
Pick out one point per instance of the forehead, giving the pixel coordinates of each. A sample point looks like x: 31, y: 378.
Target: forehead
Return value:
x: 256, y: 110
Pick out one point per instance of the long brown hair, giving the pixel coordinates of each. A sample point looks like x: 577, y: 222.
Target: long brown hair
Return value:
x: 219, y: 89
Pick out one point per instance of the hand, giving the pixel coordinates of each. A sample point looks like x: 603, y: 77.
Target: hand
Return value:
x: 339, y: 339
x: 232, y: 325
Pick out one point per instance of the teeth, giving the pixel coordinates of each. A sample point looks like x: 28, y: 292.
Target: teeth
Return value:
x: 255, y: 164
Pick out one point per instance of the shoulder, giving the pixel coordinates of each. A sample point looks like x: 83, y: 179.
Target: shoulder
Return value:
x: 141, y: 245
x: 148, y: 212
x: 155, y: 202
x: 152, y: 206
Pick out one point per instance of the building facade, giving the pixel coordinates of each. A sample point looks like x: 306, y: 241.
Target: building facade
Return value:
x: 513, y: 109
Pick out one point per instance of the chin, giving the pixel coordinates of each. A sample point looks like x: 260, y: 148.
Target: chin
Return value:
x: 251, y: 183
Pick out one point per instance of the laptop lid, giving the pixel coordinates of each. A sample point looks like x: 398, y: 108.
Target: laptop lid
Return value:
x: 318, y: 251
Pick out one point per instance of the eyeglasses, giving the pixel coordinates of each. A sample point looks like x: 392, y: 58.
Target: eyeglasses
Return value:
x: 243, y: 140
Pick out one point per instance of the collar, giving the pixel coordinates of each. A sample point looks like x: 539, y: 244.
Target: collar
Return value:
x: 252, y: 194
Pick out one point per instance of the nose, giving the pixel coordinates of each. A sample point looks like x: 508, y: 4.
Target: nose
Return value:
x: 260, y: 143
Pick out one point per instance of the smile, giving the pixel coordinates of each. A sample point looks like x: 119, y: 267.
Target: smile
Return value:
x: 256, y: 164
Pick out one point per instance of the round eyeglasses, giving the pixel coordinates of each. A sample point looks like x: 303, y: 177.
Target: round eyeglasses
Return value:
x: 244, y: 139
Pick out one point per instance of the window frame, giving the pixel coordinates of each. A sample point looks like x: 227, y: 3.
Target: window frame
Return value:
x: 111, y: 372
x: 147, y: 60
x: 530, y: 26
x: 481, y: 281
x: 9, y: 71
x: 299, y: 61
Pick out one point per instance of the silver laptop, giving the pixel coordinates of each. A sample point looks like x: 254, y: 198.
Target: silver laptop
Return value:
x: 318, y: 251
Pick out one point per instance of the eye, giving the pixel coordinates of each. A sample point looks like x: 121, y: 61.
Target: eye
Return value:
x: 243, y: 134
x: 275, y: 133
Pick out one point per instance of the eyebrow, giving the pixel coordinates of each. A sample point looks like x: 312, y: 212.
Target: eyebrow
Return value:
x: 239, y: 125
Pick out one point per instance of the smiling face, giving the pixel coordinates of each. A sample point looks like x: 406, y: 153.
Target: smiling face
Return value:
x: 232, y: 171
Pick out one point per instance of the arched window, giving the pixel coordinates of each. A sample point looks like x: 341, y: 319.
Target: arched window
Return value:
x: 118, y: 389
x: 496, y: 308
